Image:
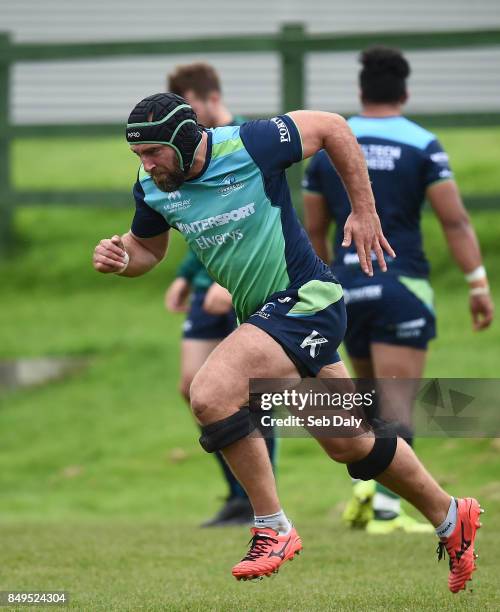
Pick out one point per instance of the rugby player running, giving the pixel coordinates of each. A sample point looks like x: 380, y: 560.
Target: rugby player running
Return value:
x: 253, y: 245
x: 211, y: 316
x: 390, y: 316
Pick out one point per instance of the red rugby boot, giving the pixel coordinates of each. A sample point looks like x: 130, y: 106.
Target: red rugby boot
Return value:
x: 268, y: 551
x: 460, y: 544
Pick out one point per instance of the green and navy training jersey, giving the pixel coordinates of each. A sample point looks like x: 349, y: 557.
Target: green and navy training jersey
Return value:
x: 193, y: 271
x: 237, y: 214
x: 403, y: 159
x: 191, y: 267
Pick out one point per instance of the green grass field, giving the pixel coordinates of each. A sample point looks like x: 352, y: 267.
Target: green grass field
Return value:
x: 102, y: 481
x: 106, y: 163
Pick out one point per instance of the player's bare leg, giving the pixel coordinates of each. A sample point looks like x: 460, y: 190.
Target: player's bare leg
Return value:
x: 194, y: 353
x: 456, y: 520
x: 221, y: 387
x: 402, y: 362
x: 218, y: 391
x: 405, y: 475
x: 236, y: 508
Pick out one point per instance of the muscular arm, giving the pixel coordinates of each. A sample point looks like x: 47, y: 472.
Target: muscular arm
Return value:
x: 143, y: 254
x: 462, y: 241
x: 320, y: 130
x: 317, y: 221
x: 459, y: 233
x: 329, y: 131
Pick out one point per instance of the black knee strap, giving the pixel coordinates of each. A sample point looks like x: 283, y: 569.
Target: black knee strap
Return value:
x: 377, y: 460
x: 405, y: 432
x: 218, y: 435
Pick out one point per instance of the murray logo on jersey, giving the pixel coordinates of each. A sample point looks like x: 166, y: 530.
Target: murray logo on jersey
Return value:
x: 175, y: 202
x: 173, y: 195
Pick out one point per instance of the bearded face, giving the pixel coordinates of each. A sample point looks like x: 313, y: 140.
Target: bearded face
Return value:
x: 168, y: 180
x: 162, y: 164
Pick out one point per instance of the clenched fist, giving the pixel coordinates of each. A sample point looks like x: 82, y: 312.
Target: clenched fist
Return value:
x: 110, y: 256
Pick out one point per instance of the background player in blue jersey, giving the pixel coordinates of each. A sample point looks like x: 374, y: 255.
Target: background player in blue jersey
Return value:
x: 391, y: 316
x: 210, y: 315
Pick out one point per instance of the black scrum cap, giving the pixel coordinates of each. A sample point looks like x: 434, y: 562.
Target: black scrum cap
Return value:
x: 167, y: 119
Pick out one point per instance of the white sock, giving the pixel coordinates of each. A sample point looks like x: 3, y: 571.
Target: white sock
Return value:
x: 385, y: 503
x: 448, y: 525
x: 277, y: 521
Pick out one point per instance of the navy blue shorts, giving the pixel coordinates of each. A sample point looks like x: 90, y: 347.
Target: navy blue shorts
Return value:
x: 308, y: 322
x: 386, y: 308
x: 200, y: 325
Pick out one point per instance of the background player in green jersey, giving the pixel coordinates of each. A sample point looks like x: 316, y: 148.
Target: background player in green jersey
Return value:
x: 390, y: 317
x: 225, y: 190
x: 210, y: 315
